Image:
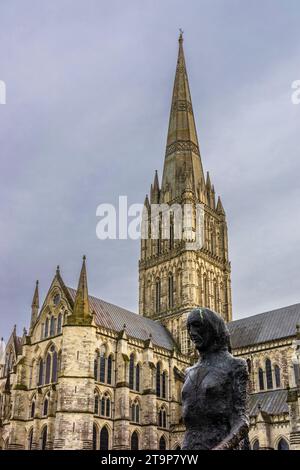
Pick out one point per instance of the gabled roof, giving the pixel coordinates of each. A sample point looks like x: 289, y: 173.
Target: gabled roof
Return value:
x: 264, y: 327
x: 272, y: 402
x: 113, y: 317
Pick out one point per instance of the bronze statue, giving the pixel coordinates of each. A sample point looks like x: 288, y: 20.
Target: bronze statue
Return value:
x: 214, y: 394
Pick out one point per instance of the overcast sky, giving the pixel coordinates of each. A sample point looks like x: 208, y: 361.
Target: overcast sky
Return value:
x: 89, y: 85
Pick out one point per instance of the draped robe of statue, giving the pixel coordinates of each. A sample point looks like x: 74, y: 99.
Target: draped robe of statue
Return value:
x: 214, y: 394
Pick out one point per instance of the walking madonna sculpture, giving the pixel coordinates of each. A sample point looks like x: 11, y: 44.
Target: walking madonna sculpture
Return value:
x: 214, y: 394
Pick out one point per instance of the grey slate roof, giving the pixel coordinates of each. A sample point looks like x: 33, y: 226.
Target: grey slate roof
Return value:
x: 264, y: 327
x: 272, y: 402
x: 113, y: 317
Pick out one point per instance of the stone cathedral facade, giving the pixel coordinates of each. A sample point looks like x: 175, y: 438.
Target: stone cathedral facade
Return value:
x: 91, y: 375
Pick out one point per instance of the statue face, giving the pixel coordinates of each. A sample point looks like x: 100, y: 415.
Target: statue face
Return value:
x: 199, y: 333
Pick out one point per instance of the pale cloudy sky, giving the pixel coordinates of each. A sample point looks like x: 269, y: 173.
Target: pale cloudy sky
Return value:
x: 89, y: 86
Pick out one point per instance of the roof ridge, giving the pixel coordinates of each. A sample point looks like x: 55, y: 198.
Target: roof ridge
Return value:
x: 264, y: 313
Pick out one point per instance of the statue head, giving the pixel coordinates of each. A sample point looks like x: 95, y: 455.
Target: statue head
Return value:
x: 208, y: 330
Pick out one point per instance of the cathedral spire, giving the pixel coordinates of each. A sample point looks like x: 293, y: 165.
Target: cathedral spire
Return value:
x: 35, y: 306
x: 182, y: 151
x: 81, y: 311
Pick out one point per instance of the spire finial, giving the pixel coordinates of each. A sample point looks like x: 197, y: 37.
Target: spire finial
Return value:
x: 81, y: 304
x: 57, y: 269
x: 84, y: 257
x: 180, y: 35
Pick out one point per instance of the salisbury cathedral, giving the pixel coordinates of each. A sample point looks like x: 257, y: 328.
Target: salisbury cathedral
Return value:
x: 88, y: 374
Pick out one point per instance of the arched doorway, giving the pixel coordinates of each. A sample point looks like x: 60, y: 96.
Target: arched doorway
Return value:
x: 162, y: 443
x: 134, y: 441
x: 283, y: 445
x: 255, y: 445
x: 104, y: 438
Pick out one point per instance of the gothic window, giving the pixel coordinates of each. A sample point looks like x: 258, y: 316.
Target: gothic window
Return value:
x: 46, y: 405
x: 102, y: 365
x: 105, y: 405
x: 206, y: 292
x: 104, y: 437
x: 134, y: 445
x: 95, y: 437
x: 59, y: 323
x: 269, y: 374
x: 96, y: 367
x: 44, y: 438
x: 46, y: 328
x: 48, y: 369
x: 131, y: 371
x: 255, y: 445
x: 283, y: 445
x: 107, y: 411
x: 171, y: 239
x: 216, y: 296
x: 30, y: 439
x: 261, y: 379
x: 102, y: 406
x: 162, y: 418
x: 135, y: 412
x: 134, y: 374
x: 158, y: 380
x: 96, y: 404
x: 41, y: 372
x: 109, y: 369
x: 161, y: 382
x: 171, y: 291
x: 32, y: 409
x: 185, y: 341
x: 157, y: 296
x: 56, y: 299
x: 162, y: 443
x: 277, y: 376
x: 164, y: 385
x: 52, y: 326
x: 249, y: 365
x: 137, y: 378
x: 54, y: 367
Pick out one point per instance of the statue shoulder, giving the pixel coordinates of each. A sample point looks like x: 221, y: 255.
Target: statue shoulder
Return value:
x: 240, y: 366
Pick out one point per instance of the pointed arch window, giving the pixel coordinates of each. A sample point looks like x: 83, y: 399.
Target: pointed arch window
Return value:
x: 52, y: 326
x: 46, y: 405
x: 157, y: 295
x: 102, y: 365
x: 59, y: 323
x: 54, y: 367
x: 41, y: 372
x: 48, y: 369
x: 135, y: 412
x: 162, y: 418
x: 104, y: 438
x: 269, y: 374
x: 171, y: 291
x: 32, y: 409
x: 277, y: 376
x: 44, y: 438
x: 134, y: 445
x: 261, y: 381
x: 96, y: 404
x: 206, y: 292
x: 131, y: 371
x: 30, y: 439
x: 164, y: 385
x: 109, y: 369
x: 158, y: 388
x: 46, y: 332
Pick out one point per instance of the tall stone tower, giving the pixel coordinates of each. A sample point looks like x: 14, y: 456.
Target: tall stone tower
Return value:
x: 175, y: 275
